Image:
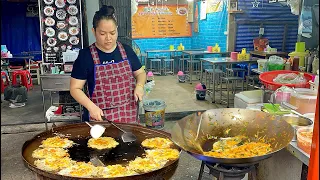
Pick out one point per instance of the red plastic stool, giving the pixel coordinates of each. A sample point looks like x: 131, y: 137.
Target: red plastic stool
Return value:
x: 4, y: 81
x: 25, y: 77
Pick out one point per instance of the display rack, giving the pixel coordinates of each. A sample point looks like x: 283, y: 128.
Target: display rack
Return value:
x: 57, y: 83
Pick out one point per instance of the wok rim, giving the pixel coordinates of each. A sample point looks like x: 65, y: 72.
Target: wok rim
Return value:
x: 230, y: 161
x: 171, y: 166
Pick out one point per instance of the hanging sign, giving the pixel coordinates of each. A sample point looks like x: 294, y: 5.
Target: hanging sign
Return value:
x: 214, y: 6
x: 161, y: 21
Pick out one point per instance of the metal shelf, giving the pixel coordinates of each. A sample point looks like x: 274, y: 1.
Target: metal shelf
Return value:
x: 55, y: 83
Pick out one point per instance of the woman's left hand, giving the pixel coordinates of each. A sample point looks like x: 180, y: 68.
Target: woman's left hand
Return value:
x: 138, y: 93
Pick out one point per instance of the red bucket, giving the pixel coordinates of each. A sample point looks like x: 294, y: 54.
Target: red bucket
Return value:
x: 267, y: 79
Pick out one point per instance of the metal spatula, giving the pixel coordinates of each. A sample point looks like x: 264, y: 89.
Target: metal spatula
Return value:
x: 126, y: 136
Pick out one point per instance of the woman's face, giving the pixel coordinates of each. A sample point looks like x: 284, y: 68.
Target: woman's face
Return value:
x: 106, y: 34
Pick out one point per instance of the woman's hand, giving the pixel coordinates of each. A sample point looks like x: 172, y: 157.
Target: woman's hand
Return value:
x: 138, y: 93
x: 95, y: 113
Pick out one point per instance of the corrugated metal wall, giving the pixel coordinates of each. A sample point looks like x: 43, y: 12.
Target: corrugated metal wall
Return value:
x: 123, y: 14
x: 276, y: 19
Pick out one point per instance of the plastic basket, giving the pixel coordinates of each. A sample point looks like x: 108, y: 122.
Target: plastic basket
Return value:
x: 267, y: 80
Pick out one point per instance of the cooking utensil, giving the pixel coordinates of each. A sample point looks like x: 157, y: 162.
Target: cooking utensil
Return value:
x: 123, y: 153
x: 97, y: 130
x: 126, y: 136
x: 223, y: 123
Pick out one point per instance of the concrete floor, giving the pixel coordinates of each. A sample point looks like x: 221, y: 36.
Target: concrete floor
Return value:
x: 179, y: 98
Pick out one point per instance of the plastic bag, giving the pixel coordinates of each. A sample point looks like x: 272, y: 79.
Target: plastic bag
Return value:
x: 290, y: 78
x: 148, y: 88
x: 282, y: 94
x: 275, y: 60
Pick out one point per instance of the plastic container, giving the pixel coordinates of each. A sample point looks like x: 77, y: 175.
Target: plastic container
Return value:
x: 262, y: 65
x: 304, y: 138
x: 247, y: 98
x: 300, y: 46
x: 304, y: 100
x: 181, y: 77
x: 209, y: 48
x: 154, y: 113
x: 234, y: 56
x: 150, y: 76
x: 267, y: 79
x: 201, y: 91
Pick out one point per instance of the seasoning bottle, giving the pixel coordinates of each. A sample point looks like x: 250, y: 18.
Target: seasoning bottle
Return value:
x: 295, y: 64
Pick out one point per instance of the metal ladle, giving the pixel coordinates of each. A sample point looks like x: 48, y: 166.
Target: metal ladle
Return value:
x: 97, y: 130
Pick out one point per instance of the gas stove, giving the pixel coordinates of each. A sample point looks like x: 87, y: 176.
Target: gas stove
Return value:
x: 229, y: 172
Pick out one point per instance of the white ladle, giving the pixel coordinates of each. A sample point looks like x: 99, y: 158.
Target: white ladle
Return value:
x: 97, y: 130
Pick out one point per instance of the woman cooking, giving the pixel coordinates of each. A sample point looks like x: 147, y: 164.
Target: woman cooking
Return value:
x: 112, y: 71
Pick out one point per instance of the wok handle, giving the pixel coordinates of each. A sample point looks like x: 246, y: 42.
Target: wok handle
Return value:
x: 105, y: 119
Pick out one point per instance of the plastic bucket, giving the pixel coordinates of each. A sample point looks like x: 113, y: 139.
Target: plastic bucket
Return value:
x: 201, y: 94
x: 154, y: 113
x: 182, y: 78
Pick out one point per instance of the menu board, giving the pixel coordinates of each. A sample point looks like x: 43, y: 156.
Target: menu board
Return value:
x: 60, y: 28
x: 161, y: 21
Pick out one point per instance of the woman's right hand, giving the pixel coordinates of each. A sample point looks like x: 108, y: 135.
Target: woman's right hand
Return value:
x: 95, y: 113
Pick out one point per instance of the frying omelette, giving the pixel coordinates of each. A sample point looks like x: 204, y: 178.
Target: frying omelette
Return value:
x: 102, y: 143
x: 57, y: 142
x: 42, y: 153
x: 80, y: 169
x: 143, y: 165
x: 114, y: 171
x: 157, y: 142
x: 162, y: 154
x: 54, y: 164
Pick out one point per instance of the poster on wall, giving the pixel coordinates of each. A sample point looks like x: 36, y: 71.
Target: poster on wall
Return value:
x: 161, y: 21
x: 190, y: 11
x: 214, y: 6
x: 203, y: 12
x: 61, y: 29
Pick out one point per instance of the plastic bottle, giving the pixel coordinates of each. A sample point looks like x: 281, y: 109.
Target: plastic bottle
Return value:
x: 295, y: 64
x: 315, y: 65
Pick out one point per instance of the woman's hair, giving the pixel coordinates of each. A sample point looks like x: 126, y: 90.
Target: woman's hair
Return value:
x: 105, y: 12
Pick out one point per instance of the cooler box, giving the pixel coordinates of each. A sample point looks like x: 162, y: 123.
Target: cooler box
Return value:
x: 247, y: 98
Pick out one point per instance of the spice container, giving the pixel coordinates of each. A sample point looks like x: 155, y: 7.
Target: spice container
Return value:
x: 304, y: 138
x: 304, y: 100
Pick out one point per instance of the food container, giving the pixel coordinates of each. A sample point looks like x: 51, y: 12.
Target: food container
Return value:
x: 262, y: 65
x: 303, y: 100
x: 297, y: 123
x: 304, y: 138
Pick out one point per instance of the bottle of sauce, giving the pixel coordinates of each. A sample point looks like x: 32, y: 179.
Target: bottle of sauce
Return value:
x: 295, y: 64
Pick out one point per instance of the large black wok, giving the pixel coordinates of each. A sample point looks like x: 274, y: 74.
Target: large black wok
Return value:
x: 80, y: 133
x: 230, y: 122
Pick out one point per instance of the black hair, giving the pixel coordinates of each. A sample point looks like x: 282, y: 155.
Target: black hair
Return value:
x: 105, y: 12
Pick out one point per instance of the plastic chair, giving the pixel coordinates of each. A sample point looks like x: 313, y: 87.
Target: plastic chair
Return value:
x: 25, y: 77
x: 4, y: 81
